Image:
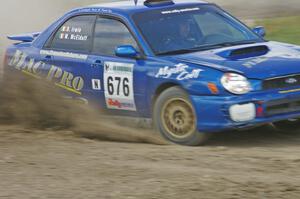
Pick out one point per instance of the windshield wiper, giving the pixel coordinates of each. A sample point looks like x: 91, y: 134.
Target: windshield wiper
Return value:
x: 225, y: 44
x: 235, y: 43
x: 176, y: 52
x: 190, y: 50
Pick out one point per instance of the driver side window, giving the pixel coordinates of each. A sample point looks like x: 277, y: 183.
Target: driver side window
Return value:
x: 109, y: 34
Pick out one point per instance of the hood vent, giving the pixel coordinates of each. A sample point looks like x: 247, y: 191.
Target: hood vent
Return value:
x: 247, y: 52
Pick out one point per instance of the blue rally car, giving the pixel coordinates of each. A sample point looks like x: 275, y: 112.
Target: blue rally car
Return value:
x: 189, y: 65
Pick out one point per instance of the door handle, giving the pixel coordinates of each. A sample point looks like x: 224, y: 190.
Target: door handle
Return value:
x: 48, y: 57
x: 97, y: 63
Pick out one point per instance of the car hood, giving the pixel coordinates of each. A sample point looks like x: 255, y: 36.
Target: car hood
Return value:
x: 258, y: 61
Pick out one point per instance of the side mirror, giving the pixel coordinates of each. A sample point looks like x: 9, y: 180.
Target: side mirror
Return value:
x: 260, y: 30
x: 127, y: 51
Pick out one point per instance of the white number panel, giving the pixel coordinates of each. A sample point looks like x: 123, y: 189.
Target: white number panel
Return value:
x: 118, y: 85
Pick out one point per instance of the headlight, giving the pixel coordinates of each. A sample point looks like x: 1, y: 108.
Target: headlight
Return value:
x: 235, y: 83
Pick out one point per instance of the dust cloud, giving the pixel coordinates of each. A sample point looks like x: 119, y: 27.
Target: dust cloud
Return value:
x: 37, y: 104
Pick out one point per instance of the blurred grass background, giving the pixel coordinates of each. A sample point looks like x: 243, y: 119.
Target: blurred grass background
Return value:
x: 283, y: 29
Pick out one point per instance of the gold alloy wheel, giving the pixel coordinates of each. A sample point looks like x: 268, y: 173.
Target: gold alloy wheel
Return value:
x: 178, y: 118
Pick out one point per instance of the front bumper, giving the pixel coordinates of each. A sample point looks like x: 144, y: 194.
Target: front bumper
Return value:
x: 213, y: 113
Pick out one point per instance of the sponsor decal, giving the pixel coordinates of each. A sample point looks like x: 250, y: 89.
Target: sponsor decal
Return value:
x: 96, y: 84
x: 65, y: 80
x: 119, y: 105
x: 27, y: 65
x: 114, y: 103
x: 41, y: 70
x: 118, y: 86
x: 180, y: 10
x: 102, y: 10
x: 64, y: 54
x: 180, y: 70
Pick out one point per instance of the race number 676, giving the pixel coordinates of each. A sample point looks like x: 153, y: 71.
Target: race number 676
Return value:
x: 118, y: 85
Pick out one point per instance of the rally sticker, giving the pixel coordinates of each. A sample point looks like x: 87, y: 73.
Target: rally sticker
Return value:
x: 72, y: 33
x: 118, y: 85
x: 180, y: 70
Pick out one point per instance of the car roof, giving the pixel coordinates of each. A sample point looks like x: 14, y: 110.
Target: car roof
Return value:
x: 129, y: 6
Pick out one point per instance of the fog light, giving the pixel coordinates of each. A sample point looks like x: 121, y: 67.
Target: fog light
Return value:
x: 242, y: 112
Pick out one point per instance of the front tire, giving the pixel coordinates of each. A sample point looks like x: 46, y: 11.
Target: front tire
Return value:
x: 176, y: 120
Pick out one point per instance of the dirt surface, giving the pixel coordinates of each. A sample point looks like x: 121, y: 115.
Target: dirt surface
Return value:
x: 46, y: 164
x: 57, y: 149
x: 49, y: 149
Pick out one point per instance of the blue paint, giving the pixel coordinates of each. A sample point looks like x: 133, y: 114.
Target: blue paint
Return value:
x: 277, y: 60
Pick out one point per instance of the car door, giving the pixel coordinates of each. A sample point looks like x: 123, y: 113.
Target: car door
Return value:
x: 66, y: 55
x: 117, y: 82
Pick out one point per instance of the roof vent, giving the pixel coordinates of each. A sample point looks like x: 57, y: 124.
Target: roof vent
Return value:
x: 152, y: 3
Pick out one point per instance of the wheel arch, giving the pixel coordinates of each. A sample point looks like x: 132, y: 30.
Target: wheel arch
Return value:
x: 160, y: 89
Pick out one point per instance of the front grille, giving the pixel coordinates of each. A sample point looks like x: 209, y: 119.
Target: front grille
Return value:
x: 282, y: 106
x: 281, y: 82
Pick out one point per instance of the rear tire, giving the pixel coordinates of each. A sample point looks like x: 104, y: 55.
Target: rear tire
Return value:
x: 176, y: 120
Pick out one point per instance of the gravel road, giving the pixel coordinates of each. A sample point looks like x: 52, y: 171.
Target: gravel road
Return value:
x: 257, y: 164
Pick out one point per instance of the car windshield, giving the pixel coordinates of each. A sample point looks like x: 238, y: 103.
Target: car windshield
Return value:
x: 193, y: 28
